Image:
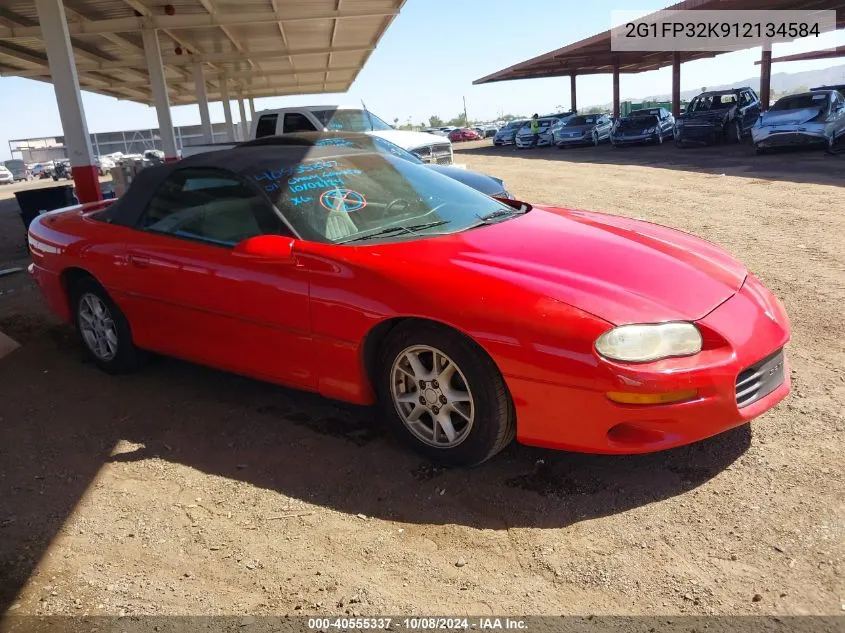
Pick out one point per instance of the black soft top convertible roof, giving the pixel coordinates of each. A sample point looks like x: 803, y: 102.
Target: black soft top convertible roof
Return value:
x: 247, y: 160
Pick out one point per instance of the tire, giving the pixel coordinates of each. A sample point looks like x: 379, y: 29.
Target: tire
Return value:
x: 736, y: 135
x: 760, y: 150
x: 476, y: 385
x: 125, y: 357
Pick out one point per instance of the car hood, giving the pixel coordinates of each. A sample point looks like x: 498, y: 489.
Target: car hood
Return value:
x: 616, y: 268
x: 789, y: 117
x: 478, y: 181
x: 409, y: 140
x: 636, y: 123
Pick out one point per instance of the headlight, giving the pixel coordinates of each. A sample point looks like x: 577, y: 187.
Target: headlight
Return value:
x: 505, y: 194
x: 651, y: 130
x: 642, y: 343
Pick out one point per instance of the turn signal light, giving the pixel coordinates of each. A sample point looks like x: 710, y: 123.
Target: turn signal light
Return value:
x: 625, y: 397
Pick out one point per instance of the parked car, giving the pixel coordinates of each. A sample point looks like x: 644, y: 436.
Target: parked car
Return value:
x: 840, y: 88
x: 583, y: 130
x: 537, y: 311
x: 105, y: 164
x: 507, y: 134
x: 6, y: 177
x: 62, y: 170
x: 718, y: 116
x: 490, y: 131
x: 652, y: 125
x: 20, y: 172
x: 479, y: 131
x: 463, y: 134
x: 342, y: 119
x: 807, y: 118
x: 524, y: 138
x: 480, y: 182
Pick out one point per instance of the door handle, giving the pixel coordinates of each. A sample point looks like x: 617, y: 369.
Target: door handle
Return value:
x: 139, y: 261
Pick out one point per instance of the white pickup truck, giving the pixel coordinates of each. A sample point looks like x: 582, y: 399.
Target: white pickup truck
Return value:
x: 428, y: 147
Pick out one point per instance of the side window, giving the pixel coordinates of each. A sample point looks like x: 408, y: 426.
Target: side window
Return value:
x: 266, y: 125
x: 210, y: 205
x: 752, y: 96
x: 296, y: 122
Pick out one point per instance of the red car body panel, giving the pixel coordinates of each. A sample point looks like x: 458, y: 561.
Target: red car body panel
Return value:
x: 534, y: 292
x: 463, y: 135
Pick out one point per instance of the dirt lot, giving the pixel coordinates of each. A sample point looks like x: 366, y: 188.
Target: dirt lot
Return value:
x: 182, y: 490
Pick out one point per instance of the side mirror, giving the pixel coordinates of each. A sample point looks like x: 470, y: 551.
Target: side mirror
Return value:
x: 275, y: 249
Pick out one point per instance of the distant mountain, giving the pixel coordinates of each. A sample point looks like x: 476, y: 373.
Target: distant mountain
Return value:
x: 780, y: 82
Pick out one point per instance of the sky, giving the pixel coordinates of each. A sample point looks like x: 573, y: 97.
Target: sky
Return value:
x: 425, y: 64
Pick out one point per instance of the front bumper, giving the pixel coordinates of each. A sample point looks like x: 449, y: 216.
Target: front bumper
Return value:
x: 566, y: 141
x: 633, y: 139
x: 577, y: 419
x: 789, y: 136
x: 543, y: 141
x: 700, y: 134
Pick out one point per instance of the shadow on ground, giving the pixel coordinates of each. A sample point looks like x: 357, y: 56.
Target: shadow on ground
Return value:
x: 64, y: 418
x: 793, y: 165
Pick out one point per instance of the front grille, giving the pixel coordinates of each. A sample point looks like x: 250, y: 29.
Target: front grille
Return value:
x: 444, y: 160
x: 760, y: 379
x: 423, y: 152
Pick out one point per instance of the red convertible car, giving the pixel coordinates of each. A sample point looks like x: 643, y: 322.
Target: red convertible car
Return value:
x: 468, y: 320
x: 463, y: 134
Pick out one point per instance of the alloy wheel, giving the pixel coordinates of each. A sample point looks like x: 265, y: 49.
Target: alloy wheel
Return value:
x: 97, y: 327
x: 432, y: 396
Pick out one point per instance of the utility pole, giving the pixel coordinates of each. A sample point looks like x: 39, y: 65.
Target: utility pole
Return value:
x: 466, y: 118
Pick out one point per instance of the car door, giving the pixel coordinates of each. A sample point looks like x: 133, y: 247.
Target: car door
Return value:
x: 603, y: 127
x: 751, y: 110
x: 189, y: 295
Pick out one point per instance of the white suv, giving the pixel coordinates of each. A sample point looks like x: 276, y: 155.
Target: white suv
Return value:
x: 427, y: 147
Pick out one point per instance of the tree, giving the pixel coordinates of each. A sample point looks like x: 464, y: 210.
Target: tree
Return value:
x: 593, y: 110
x: 435, y: 121
x: 459, y: 121
x: 396, y: 122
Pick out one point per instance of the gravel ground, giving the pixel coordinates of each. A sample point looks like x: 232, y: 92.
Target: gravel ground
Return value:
x: 182, y: 490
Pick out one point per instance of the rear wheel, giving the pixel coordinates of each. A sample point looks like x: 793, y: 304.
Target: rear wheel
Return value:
x: 103, y: 328
x: 443, y: 396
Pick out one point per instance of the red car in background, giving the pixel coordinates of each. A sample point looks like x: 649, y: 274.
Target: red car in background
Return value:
x: 466, y: 319
x: 463, y: 134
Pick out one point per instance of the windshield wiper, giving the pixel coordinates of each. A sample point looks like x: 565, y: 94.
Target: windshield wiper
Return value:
x: 409, y: 228
x: 490, y: 218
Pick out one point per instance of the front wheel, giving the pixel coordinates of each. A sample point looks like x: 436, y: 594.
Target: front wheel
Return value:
x: 103, y: 328
x: 443, y: 395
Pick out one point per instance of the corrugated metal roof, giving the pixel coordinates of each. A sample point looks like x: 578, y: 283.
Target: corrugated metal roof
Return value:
x: 255, y: 46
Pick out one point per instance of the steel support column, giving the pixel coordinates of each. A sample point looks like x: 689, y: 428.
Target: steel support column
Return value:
x: 765, y: 79
x: 60, y: 59
x: 227, y: 109
x: 244, y: 126
x: 158, y: 85
x: 202, y: 103
x: 616, y: 90
x: 676, y: 84
x: 251, y: 109
x: 572, y: 93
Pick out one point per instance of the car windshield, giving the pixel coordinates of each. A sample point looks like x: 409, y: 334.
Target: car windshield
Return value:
x: 367, y: 198
x: 544, y: 123
x: 799, y: 102
x: 350, y: 120
x: 514, y: 124
x: 578, y: 121
x: 705, y: 102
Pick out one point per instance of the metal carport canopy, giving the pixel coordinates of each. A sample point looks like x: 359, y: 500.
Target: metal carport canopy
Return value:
x: 594, y: 55
x: 257, y: 48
